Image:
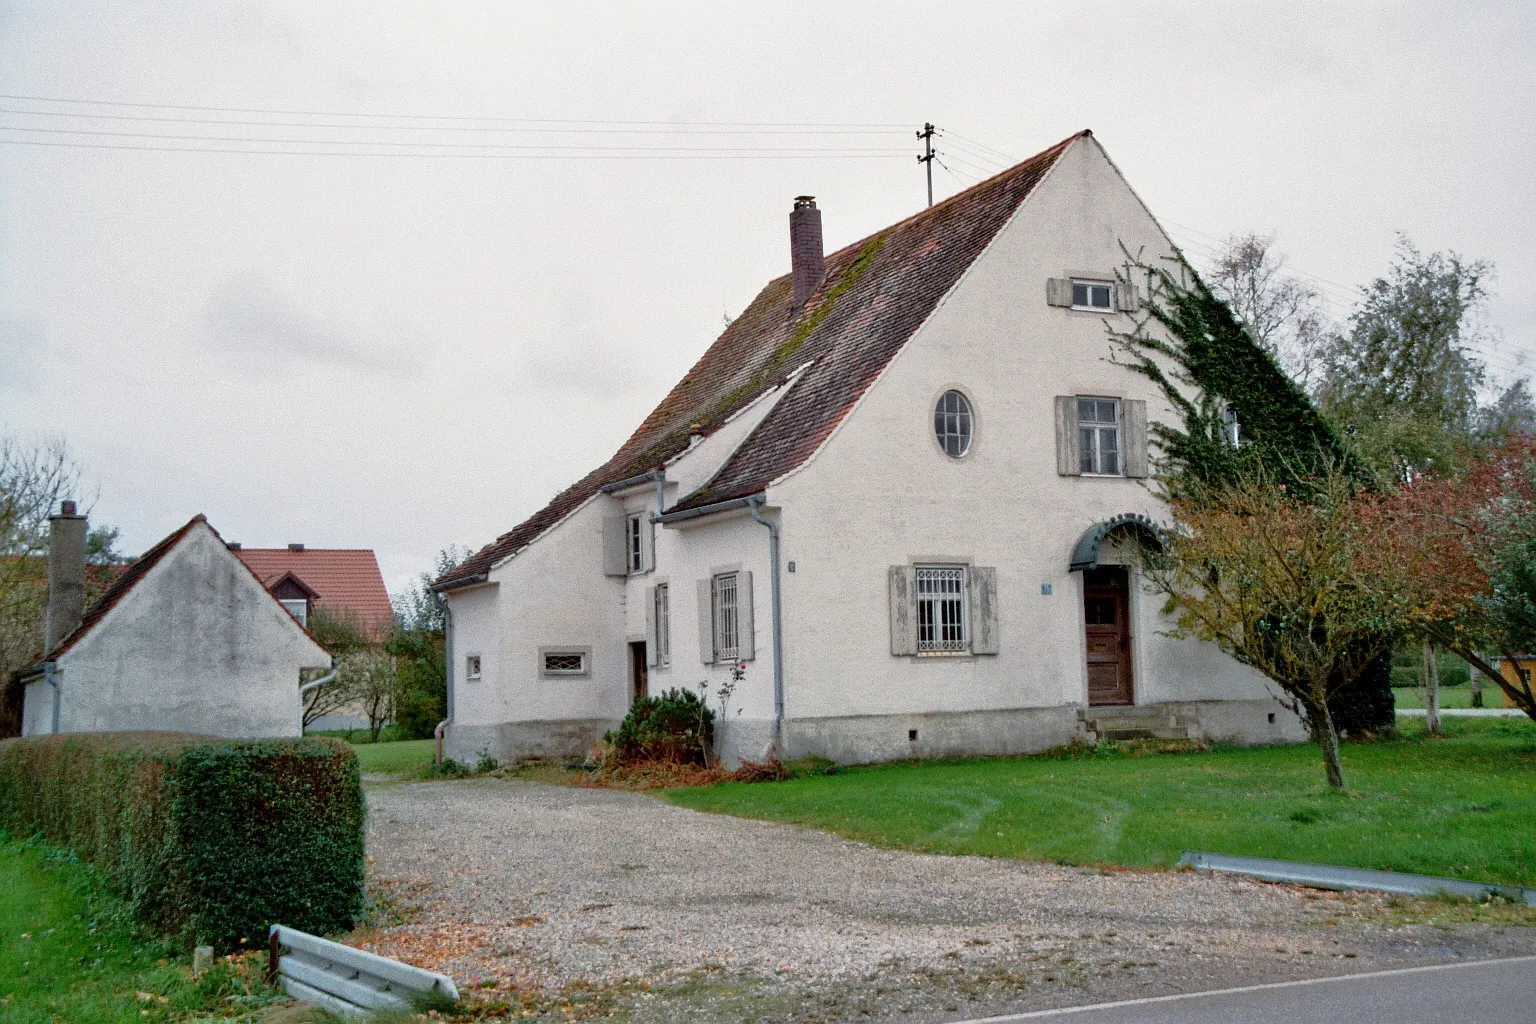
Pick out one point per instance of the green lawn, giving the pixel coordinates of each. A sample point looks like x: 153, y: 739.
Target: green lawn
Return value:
x: 409, y: 758
x: 69, y: 954
x: 1461, y: 806
x: 1450, y: 697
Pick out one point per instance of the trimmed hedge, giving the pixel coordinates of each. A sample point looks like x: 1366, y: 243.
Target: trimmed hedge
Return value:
x: 206, y: 838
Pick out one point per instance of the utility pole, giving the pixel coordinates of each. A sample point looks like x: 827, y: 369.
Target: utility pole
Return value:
x: 927, y: 158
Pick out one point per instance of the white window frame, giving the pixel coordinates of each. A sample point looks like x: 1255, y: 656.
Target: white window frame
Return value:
x: 584, y: 653
x: 663, y: 619
x: 1090, y: 284
x: 301, y: 616
x: 1090, y: 436
x: 939, y: 586
x: 1231, y: 426
x: 472, y: 667
x: 725, y: 616
x: 634, y: 543
x: 964, y: 423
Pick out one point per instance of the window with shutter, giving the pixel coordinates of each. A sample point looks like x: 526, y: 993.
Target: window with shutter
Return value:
x: 983, y: 599
x: 661, y: 610
x: 901, y: 585
x: 1068, y: 459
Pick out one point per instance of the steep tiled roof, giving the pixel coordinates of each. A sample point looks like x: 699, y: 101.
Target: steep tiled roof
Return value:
x: 346, y: 578
x: 876, y: 294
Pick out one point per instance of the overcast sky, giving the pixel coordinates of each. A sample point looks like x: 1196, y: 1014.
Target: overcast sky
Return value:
x: 402, y: 352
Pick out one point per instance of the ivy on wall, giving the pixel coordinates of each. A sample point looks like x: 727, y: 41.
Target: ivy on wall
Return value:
x: 1241, y: 415
x: 1189, y: 343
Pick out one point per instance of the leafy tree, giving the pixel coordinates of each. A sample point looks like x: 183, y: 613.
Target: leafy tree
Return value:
x: 1463, y: 551
x: 35, y: 476
x: 1280, y: 583
x: 1281, y: 312
x: 419, y: 649
x: 368, y: 677
x: 341, y: 633
x: 1403, y: 382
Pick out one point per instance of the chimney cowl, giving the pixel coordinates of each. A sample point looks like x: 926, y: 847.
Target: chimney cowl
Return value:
x: 807, y: 259
x: 67, y: 508
x: 233, y: 545
x: 295, y: 547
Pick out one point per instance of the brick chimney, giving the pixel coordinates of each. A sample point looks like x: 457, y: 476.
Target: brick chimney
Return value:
x: 805, y: 254
x: 66, y: 575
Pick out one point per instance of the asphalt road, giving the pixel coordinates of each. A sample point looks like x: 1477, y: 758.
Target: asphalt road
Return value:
x: 1481, y: 992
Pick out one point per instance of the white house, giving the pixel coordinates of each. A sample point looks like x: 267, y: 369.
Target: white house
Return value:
x: 898, y: 489
x: 186, y: 640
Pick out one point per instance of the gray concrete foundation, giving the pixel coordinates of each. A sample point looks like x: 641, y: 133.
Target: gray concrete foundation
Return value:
x: 515, y: 741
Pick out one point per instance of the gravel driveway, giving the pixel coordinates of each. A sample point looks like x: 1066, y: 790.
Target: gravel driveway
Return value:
x: 659, y: 913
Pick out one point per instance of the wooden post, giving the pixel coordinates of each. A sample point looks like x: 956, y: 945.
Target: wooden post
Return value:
x: 272, y: 957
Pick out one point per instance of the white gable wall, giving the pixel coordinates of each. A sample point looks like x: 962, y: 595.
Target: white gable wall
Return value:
x: 553, y: 593
x: 197, y: 645
x: 882, y: 493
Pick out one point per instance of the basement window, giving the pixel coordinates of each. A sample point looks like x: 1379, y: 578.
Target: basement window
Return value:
x: 1094, y: 295
x: 564, y: 661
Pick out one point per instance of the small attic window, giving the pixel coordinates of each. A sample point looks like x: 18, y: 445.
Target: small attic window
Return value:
x: 1095, y: 295
x: 298, y: 607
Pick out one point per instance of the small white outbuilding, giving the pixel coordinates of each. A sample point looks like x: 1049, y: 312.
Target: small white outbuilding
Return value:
x: 186, y: 640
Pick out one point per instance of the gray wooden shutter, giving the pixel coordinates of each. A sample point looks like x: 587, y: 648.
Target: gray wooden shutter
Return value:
x: 706, y: 622
x: 614, y: 561
x: 1068, y: 459
x: 1135, y: 415
x: 983, y: 581
x: 901, y: 582
x: 652, y: 649
x: 1126, y: 299
x: 746, y: 633
x: 1058, y: 291
x: 647, y: 542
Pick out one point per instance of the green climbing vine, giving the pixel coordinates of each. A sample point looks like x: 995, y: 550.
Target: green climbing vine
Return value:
x: 1240, y: 411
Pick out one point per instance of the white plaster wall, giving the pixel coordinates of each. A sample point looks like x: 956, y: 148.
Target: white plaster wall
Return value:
x: 685, y: 556
x: 882, y: 493
x: 198, y: 646
x: 551, y: 594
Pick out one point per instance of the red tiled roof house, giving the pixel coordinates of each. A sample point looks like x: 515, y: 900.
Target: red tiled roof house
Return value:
x: 896, y: 490
x: 342, y: 581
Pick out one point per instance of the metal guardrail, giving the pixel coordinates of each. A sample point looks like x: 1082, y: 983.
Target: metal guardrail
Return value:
x: 1329, y: 876
x: 347, y: 981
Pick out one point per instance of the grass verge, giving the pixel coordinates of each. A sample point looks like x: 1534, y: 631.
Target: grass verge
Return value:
x: 1462, y: 807
x: 69, y: 951
x: 411, y: 759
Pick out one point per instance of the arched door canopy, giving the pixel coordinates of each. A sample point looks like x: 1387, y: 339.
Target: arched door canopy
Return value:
x: 1085, y: 553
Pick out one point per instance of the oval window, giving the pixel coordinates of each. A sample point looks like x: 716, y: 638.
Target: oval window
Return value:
x: 952, y: 423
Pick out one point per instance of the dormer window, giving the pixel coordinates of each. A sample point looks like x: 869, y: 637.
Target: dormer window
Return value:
x: 298, y: 607
x: 1093, y: 295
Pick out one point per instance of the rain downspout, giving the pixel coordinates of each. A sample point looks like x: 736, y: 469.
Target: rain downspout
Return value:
x: 52, y: 681
x: 437, y: 733
x: 756, y: 505
x: 312, y: 685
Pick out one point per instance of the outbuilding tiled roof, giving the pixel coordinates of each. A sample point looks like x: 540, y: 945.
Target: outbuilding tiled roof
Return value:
x: 343, y: 578
x: 877, y: 292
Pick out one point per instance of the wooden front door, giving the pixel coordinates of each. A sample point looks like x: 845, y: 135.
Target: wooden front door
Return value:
x: 638, y: 672
x: 1106, y: 603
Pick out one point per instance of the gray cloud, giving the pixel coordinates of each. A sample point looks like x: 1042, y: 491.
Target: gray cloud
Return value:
x: 253, y: 328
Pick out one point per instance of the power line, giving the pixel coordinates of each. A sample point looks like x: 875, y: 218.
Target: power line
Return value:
x: 656, y: 154
x: 437, y: 145
x: 775, y: 131
x: 437, y: 117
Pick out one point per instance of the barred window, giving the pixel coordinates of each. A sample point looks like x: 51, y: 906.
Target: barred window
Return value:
x: 941, y: 614
x: 952, y: 423
x: 1098, y: 428
x: 726, y: 618
x: 472, y: 667
x: 663, y: 625
x: 573, y: 663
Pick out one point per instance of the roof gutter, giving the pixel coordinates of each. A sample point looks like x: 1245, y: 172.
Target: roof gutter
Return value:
x: 466, y: 581
x: 756, y: 503
x: 633, y: 481
x: 709, y: 510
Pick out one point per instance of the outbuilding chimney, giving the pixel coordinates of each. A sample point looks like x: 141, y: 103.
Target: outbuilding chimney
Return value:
x: 66, y: 575
x: 805, y: 254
